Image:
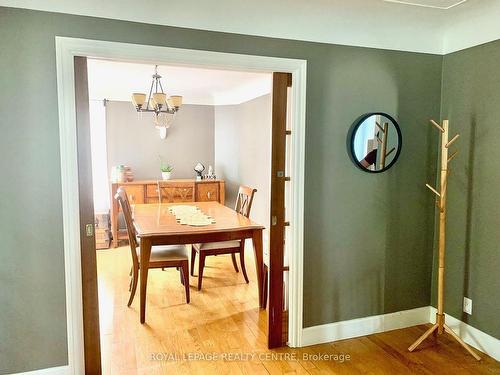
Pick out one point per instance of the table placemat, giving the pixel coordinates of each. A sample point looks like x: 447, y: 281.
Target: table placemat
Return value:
x: 190, y: 215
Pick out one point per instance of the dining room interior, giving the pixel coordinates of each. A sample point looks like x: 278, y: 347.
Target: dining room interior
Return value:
x: 179, y: 147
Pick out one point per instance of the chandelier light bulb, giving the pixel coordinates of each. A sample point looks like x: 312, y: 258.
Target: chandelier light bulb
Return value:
x: 163, y: 132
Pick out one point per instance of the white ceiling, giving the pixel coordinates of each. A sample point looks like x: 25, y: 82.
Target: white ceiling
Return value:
x: 438, y: 4
x: 371, y: 23
x: 118, y: 80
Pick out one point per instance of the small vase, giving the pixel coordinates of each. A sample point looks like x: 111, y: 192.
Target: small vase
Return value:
x: 166, y: 175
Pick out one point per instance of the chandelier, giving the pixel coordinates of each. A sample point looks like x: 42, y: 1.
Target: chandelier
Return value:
x: 158, y: 103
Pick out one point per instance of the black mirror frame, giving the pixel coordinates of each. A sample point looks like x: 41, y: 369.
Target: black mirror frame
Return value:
x: 352, y: 133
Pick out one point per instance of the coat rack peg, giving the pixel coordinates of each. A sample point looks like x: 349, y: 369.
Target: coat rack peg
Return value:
x: 392, y: 149
x: 433, y: 190
x: 437, y: 126
x: 379, y: 140
x: 452, y: 156
x: 380, y: 127
x: 452, y: 140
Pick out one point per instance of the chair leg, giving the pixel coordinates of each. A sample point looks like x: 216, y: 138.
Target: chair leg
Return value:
x: 201, y: 265
x: 185, y: 275
x: 233, y: 257
x: 135, y: 278
x: 181, y: 275
x: 193, y: 257
x: 242, y: 262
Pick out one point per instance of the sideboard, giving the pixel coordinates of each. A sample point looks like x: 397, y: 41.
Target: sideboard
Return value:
x: 146, y: 191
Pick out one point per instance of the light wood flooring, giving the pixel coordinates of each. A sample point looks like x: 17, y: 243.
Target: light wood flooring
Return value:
x: 223, y: 319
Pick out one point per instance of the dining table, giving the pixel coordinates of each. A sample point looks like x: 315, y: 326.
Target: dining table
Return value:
x: 156, y: 225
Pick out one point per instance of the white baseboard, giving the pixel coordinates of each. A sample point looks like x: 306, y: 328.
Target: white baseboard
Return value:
x: 472, y: 336
x: 364, y: 326
x: 62, y: 370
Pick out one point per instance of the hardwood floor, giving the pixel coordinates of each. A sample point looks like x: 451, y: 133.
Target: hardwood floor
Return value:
x: 223, y: 319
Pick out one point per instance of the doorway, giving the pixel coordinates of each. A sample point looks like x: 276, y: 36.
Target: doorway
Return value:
x: 67, y: 48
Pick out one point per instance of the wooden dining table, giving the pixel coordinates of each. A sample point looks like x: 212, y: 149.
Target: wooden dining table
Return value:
x: 156, y: 225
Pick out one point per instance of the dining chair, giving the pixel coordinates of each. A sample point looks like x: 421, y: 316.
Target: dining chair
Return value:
x: 175, y: 191
x: 161, y: 256
x: 243, y: 206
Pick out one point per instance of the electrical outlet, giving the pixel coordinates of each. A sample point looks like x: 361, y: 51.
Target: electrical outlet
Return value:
x: 467, y: 305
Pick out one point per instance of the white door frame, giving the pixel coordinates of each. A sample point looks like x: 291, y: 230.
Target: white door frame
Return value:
x: 66, y: 49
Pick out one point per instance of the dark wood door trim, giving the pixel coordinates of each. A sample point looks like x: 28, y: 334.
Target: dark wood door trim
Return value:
x: 91, y: 337
x: 281, y: 82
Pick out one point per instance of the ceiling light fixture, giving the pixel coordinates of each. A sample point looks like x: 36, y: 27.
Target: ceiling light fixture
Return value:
x: 158, y: 103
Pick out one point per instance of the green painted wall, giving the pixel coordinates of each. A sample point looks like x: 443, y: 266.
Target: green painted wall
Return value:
x: 368, y: 238
x: 471, y: 101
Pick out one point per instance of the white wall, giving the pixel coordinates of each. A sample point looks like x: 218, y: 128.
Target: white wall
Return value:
x: 243, y: 152
x: 100, y: 180
x: 227, y: 135
x: 133, y: 140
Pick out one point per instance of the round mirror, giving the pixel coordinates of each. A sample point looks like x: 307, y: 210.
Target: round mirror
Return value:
x: 375, y: 142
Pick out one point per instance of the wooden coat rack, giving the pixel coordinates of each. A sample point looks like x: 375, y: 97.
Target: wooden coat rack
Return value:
x: 440, y: 327
x: 383, y: 144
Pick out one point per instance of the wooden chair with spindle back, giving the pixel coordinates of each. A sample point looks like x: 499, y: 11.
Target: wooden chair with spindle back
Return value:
x: 243, y: 206
x: 161, y: 256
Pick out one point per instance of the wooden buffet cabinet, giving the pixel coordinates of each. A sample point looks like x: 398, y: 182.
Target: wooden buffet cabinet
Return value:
x: 146, y: 191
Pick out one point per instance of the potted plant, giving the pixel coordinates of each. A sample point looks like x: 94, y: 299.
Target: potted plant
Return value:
x: 166, y: 170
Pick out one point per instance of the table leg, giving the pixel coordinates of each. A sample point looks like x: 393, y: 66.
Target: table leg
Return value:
x: 144, y: 267
x: 259, y: 262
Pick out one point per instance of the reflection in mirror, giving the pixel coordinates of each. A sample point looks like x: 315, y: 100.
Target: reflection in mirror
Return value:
x: 375, y: 142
